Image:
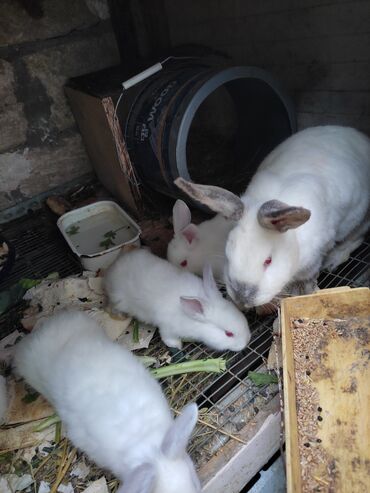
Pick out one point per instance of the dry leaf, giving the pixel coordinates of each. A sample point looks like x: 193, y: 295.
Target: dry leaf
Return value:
x: 9, y: 483
x: 20, y: 410
x: 80, y: 470
x: 24, y: 436
x: 44, y: 487
x: 146, y: 333
x: 84, y: 293
x: 65, y: 488
x: 112, y: 326
x: 10, y: 339
x: 98, y: 486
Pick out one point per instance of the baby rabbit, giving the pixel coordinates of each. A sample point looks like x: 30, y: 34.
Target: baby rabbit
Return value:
x: 178, y: 302
x: 306, y: 208
x: 112, y: 407
x: 192, y: 246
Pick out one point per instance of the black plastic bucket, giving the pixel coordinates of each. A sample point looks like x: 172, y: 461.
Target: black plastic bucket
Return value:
x: 206, y: 124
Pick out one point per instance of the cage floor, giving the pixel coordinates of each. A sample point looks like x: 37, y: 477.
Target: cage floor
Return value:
x: 228, y: 401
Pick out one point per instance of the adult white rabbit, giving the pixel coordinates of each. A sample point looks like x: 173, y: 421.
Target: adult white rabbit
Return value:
x: 306, y: 208
x: 112, y: 407
x: 179, y: 303
x: 194, y: 245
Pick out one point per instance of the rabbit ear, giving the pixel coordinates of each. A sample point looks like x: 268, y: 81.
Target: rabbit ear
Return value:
x: 209, y: 283
x: 176, y: 439
x: 190, y: 233
x: 193, y: 307
x: 139, y: 480
x: 181, y: 216
x: 216, y: 198
x: 281, y: 217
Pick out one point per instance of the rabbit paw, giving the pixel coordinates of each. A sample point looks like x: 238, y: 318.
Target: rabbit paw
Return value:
x: 172, y: 342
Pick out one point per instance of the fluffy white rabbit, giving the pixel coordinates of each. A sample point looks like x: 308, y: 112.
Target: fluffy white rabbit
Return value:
x: 306, y: 208
x: 192, y: 246
x: 3, y: 399
x: 178, y: 302
x: 112, y: 407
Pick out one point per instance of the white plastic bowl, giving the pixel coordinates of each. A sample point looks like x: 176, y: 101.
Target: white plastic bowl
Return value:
x: 97, y: 232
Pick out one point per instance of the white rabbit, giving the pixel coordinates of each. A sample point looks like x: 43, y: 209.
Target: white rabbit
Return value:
x: 306, y: 208
x: 192, y: 246
x: 3, y: 399
x: 112, y: 407
x: 178, y: 302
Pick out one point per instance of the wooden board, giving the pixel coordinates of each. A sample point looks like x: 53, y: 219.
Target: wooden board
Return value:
x: 339, y: 303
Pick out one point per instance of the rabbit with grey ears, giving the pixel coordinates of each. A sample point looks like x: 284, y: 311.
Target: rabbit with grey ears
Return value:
x: 112, y: 407
x: 192, y: 246
x: 179, y: 303
x: 306, y: 208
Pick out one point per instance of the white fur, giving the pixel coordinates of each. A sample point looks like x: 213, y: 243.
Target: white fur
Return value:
x: 323, y: 169
x: 112, y: 407
x: 157, y: 292
x: 3, y: 399
x: 208, y: 244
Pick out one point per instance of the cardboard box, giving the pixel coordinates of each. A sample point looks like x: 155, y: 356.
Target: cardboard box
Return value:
x: 93, y: 99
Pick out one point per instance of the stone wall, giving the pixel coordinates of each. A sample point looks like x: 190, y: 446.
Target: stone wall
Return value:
x: 42, y: 44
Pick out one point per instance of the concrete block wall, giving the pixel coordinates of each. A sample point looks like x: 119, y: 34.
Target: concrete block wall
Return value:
x: 319, y: 49
x: 42, y: 44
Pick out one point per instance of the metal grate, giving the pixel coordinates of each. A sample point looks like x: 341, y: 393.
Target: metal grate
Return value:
x: 355, y: 272
x: 227, y: 401
x: 40, y: 250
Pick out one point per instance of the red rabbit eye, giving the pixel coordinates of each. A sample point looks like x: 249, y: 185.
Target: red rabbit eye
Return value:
x: 267, y: 261
x: 184, y: 263
x: 229, y: 334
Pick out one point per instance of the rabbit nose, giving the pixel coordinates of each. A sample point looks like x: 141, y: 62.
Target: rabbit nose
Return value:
x: 243, y: 293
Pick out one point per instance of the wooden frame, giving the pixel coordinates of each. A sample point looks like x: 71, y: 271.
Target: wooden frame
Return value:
x: 326, y: 304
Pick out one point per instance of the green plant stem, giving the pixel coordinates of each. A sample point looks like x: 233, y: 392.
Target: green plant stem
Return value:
x: 51, y: 420
x: 135, y: 332
x: 58, y: 431
x: 216, y: 365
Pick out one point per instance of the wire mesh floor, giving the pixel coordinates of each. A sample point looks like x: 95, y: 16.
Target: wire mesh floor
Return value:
x: 227, y: 401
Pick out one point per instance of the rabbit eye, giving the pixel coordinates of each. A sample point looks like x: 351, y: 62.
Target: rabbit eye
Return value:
x: 267, y: 261
x: 229, y: 334
x: 184, y: 263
